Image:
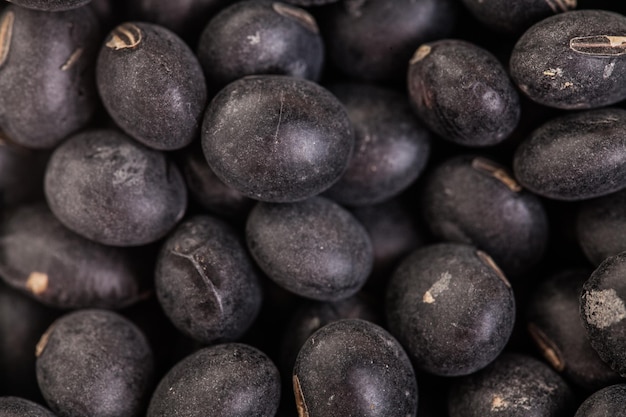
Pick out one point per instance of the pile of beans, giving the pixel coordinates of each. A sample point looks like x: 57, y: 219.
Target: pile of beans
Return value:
x: 312, y: 208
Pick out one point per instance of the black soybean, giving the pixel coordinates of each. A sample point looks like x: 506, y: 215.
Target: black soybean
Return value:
x: 451, y: 308
x: 152, y: 85
x: 314, y: 248
x: 471, y: 199
x: 50, y: 5
x: 462, y: 93
x: 391, y: 147
x: 206, y: 282
x: 575, y: 157
x: 601, y: 226
x: 20, y: 407
x: 608, y: 402
x: 354, y: 368
x: 94, y: 363
x: 312, y: 316
x: 603, y: 311
x: 514, y: 385
x: 373, y: 40
x: 111, y: 189
x: 555, y: 326
x: 57, y: 267
x: 277, y: 138
x: 242, y: 40
x: 573, y: 60
x: 48, y: 89
x: 227, y: 380
x: 515, y: 17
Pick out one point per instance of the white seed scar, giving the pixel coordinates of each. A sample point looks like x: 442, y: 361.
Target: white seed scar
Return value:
x: 254, y: 39
x: 608, y: 70
x: 604, y: 308
x: 437, y: 288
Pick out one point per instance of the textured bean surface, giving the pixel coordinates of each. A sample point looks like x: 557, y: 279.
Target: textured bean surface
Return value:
x: 575, y: 157
x: 514, y: 385
x: 463, y: 93
x: 228, y: 380
x: 573, y: 60
x: 474, y: 200
x: 277, y: 138
x: 451, y: 308
x: 603, y: 311
x: 242, y: 40
x: 606, y: 402
x: 312, y: 316
x: 48, y: 89
x: 19, y: 407
x: 95, y: 363
x: 206, y: 282
x: 50, y: 5
x: 111, y: 189
x: 152, y: 85
x: 353, y: 368
x: 313, y: 248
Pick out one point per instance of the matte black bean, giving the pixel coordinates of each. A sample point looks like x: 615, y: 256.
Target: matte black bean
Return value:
x: 463, y: 93
x: 353, y: 367
x: 277, y: 138
x: 606, y: 402
x: 50, y: 5
x: 513, y: 385
x: 46, y: 74
x: 553, y: 315
x: 243, y: 40
x: 603, y: 311
x: 20, y: 407
x: 152, y: 85
x: 111, y: 189
x: 451, y: 307
x: 312, y: 316
x: 515, y: 17
x: 601, y: 227
x: 391, y: 147
x: 206, y: 281
x: 573, y: 60
x: 575, y: 157
x: 95, y: 363
x: 314, y: 248
x: 42, y: 258
x: 373, y: 40
x: 471, y: 199
x: 228, y: 380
